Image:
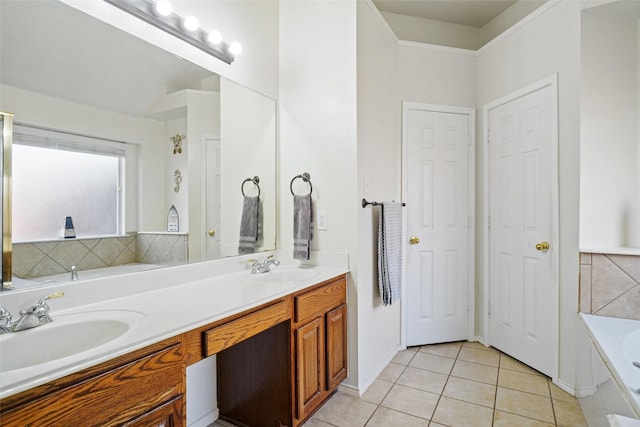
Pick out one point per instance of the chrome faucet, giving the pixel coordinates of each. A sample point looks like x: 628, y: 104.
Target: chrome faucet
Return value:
x: 263, y: 266
x: 74, y: 273
x: 5, y: 320
x: 35, y: 315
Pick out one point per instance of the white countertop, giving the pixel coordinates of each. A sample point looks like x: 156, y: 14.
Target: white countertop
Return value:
x: 169, y: 311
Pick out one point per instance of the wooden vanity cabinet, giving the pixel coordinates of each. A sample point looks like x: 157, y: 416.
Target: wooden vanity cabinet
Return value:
x: 276, y: 364
x: 320, y: 345
x: 143, y: 389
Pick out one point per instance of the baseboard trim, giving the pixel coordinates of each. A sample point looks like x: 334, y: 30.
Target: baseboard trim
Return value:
x: 207, y: 419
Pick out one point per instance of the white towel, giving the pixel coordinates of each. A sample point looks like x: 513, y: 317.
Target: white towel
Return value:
x: 302, y: 226
x: 390, y: 252
x: 250, y: 225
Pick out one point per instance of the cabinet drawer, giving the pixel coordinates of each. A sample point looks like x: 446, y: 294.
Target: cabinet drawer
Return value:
x: 108, y: 399
x: 224, y: 336
x: 320, y: 300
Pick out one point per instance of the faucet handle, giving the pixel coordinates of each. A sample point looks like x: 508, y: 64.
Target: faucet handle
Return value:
x: 5, y: 316
x: 43, y: 301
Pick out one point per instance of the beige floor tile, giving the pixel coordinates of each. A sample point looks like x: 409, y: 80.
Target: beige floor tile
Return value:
x: 314, y: 422
x: 422, y: 379
x: 385, y: 417
x: 559, y: 394
x: 484, y: 357
x: 446, y: 350
x: 403, y: 357
x: 411, y: 401
x: 377, y: 391
x: 456, y: 413
x: 344, y: 410
x: 476, y: 372
x: 437, y: 425
x: 508, y: 362
x: 476, y: 345
x: 525, y: 404
x: 505, y: 419
x: 470, y: 391
x: 432, y: 362
x: 523, y: 381
x: 568, y: 414
x: 391, y: 372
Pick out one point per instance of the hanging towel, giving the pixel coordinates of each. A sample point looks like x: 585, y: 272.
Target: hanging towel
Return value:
x: 302, y: 226
x: 390, y: 252
x: 250, y: 225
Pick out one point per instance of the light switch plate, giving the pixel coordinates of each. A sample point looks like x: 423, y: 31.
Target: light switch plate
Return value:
x: 322, y: 220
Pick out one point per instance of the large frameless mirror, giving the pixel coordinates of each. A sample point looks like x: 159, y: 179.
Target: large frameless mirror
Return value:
x: 125, y: 157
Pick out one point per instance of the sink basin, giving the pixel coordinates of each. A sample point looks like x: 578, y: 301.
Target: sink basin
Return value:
x: 287, y: 275
x: 67, y: 336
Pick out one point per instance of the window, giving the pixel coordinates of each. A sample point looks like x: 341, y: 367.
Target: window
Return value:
x: 56, y: 175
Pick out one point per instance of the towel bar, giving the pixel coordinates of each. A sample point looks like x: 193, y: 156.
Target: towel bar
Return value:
x: 255, y: 180
x: 306, y: 178
x: 366, y: 203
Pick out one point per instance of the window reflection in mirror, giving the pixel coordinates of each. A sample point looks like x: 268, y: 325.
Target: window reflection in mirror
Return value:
x: 90, y: 79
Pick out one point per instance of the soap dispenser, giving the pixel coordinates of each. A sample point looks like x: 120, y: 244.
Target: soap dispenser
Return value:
x: 69, y: 231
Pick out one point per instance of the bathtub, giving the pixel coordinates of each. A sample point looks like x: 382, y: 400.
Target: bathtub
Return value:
x: 607, y: 380
x: 95, y: 273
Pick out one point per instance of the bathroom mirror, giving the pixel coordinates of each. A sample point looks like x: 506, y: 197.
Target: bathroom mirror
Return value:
x: 610, y: 126
x: 186, y: 138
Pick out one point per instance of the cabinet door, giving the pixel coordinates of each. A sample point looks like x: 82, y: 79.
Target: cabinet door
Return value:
x: 310, y: 379
x: 336, y: 346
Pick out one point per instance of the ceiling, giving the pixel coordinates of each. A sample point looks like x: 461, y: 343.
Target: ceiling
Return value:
x: 56, y: 50
x: 474, y: 13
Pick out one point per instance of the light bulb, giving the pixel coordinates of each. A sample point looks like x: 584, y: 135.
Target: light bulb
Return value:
x: 214, y: 37
x: 163, y: 7
x: 191, y: 23
x: 235, y: 48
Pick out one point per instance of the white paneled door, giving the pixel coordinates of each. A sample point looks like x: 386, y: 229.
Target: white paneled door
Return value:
x: 437, y: 180
x: 522, y: 171
x: 212, y: 198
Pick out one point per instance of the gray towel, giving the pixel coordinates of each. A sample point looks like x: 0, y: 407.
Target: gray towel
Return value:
x: 302, y: 226
x: 250, y: 225
x: 390, y: 252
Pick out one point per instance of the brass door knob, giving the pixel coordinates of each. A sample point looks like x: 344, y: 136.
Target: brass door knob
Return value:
x: 543, y: 246
x: 212, y: 233
x: 414, y: 240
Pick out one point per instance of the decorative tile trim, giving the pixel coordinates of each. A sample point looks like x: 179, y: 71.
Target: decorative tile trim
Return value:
x: 610, y: 285
x: 48, y: 258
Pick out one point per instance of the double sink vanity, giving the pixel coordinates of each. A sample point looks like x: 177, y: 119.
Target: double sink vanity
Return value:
x: 117, y: 350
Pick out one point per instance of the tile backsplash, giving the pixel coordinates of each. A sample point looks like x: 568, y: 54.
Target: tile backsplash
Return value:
x: 55, y: 257
x: 610, y: 285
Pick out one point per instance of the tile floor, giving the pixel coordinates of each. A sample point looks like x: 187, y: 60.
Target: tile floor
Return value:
x: 454, y: 384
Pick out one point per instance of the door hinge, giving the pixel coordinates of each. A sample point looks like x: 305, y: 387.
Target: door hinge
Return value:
x: 489, y: 307
x: 489, y: 222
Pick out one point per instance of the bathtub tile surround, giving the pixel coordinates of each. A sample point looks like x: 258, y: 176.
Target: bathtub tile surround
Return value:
x: 414, y: 390
x: 162, y: 248
x: 38, y: 259
x: 610, y: 285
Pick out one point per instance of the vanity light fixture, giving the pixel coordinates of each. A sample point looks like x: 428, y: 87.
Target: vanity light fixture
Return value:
x: 160, y: 14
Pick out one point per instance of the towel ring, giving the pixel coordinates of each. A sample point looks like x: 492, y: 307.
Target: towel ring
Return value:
x: 255, y: 180
x: 306, y: 178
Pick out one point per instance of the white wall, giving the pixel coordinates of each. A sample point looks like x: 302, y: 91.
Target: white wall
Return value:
x: 247, y: 149
x: 318, y: 128
x: 434, y: 32
x: 609, y: 214
x: 422, y: 30
x: 546, y: 44
x: 379, y: 160
x: 53, y: 113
